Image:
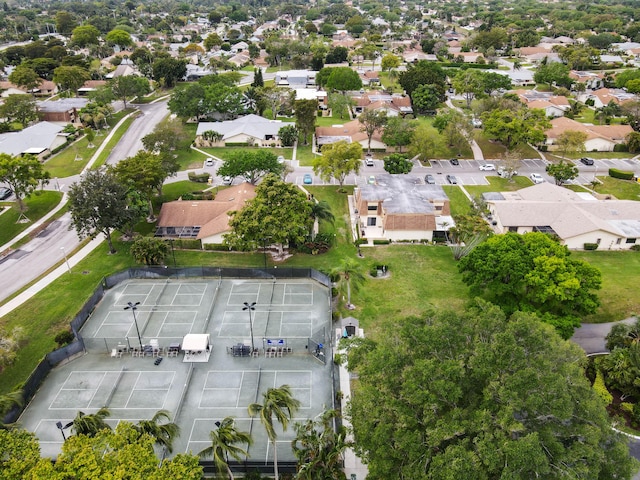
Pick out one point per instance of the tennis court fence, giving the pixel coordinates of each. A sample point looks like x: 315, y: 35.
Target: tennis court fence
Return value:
x: 77, y: 347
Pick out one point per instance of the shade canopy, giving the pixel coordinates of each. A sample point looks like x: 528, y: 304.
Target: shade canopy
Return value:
x: 195, y: 341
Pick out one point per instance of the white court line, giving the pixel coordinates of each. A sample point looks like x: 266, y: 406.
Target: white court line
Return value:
x: 124, y: 294
x: 132, y: 390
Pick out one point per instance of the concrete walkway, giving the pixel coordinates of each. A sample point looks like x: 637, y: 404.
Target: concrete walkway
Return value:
x: 475, y: 148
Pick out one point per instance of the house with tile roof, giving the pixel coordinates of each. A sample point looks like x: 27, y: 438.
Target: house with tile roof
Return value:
x: 401, y: 207
x: 575, y: 218
x: 350, y: 132
x: 207, y: 220
x: 603, y: 96
x: 251, y: 130
x: 394, y: 105
x: 600, y: 138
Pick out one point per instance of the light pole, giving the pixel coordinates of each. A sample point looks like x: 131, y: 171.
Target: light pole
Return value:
x: 251, y: 307
x: 65, y: 258
x: 62, y: 428
x: 133, y: 307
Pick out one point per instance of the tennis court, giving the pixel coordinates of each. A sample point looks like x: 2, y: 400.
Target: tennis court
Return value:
x: 120, y: 370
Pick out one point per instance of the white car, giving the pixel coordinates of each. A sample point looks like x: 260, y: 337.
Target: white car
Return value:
x: 488, y: 167
x: 536, y: 178
x: 208, y: 162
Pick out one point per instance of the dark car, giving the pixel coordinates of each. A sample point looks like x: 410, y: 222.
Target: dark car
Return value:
x: 452, y: 179
x: 587, y: 161
x: 5, y: 193
x: 454, y: 161
x: 429, y: 179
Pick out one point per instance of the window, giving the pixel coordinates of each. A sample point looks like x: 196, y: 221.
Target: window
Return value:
x: 618, y: 240
x: 513, y: 229
x: 598, y: 241
x: 630, y: 240
x: 372, y: 207
x: 371, y: 221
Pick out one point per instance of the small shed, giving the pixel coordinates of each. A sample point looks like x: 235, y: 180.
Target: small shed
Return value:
x: 196, y: 347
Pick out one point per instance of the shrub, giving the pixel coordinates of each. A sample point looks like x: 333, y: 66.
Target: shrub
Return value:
x: 621, y: 174
x: 635, y: 248
x: 601, y: 389
x: 187, y: 243
x: 590, y: 246
x: 382, y: 242
x: 199, y: 177
x: 620, y: 147
x: 217, y: 247
x: 64, y: 337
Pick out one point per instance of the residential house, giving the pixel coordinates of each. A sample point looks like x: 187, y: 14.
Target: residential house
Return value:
x: 249, y: 130
x: 64, y: 110
x: 401, y: 207
x: 313, y: 94
x: 553, y: 105
x: 470, y: 57
x: 206, y: 220
x: 126, y: 68
x: 395, y: 105
x: 591, y: 80
x: 370, y: 77
x: 296, y: 78
x: 44, y: 89
x: 90, y: 86
x: 600, y: 138
x: 603, y: 96
x: 39, y: 140
x: 413, y: 56
x: 576, y: 218
x: 349, y: 132
x: 519, y: 78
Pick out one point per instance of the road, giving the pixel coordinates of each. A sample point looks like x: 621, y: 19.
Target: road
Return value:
x: 31, y: 260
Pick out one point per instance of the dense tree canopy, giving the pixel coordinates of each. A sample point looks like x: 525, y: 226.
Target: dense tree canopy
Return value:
x: 533, y: 272
x: 338, y: 160
x: 423, y: 73
x: 562, y: 171
x: 252, y: 165
x: 480, y: 396
x: 23, y: 174
x: 515, y: 127
x: 280, y: 212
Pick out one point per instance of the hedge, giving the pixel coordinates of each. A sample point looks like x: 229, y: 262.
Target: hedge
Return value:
x: 590, y: 246
x: 381, y: 242
x: 622, y: 174
x: 601, y: 389
x: 199, y: 177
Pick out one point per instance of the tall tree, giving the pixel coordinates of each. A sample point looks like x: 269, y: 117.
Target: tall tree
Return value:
x: 126, y: 86
x: 338, y: 160
x: 343, y: 79
x: 119, y: 37
x: 571, y: 141
x: 252, y: 165
x: 19, y: 453
x: 480, y: 396
x: 26, y: 77
x: 70, y: 78
x: 98, y: 204
x: 533, y: 272
x: 372, y: 121
x: 144, y: 172
x: 305, y: 113
x: 340, y: 104
x: 224, y: 440
x: 351, y: 276
x: 278, y: 403
x: 19, y: 108
x: 85, y: 35
x: 517, y: 127
x: 167, y: 71
x: 398, y: 132
x: 423, y: 73
x: 319, y: 448
x: 280, y: 211
x: 553, y: 72
x: 469, y: 84
x: 562, y: 171
x: 23, y: 174
x: 159, y: 427
x: 91, y: 424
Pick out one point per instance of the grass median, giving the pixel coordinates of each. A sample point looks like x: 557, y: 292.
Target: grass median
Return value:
x: 38, y: 205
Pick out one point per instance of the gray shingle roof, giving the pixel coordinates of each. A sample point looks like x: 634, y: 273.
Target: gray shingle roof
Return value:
x: 39, y: 136
x: 403, y: 194
x: 253, y: 125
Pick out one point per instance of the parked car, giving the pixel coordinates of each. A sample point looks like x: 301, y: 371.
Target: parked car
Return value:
x: 476, y: 122
x: 227, y: 180
x: 5, y: 193
x: 372, y: 180
x: 368, y: 161
x: 208, y: 162
x: 429, y: 179
x: 536, y: 178
x: 587, y: 161
x: 487, y: 166
x: 454, y: 161
x: 452, y: 179
x: 307, y: 179
x: 280, y: 159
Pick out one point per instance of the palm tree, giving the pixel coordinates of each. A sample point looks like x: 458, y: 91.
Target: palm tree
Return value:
x: 278, y: 402
x: 319, y: 448
x: 91, y: 424
x: 223, y: 444
x: 351, y: 273
x: 7, y: 402
x: 321, y: 211
x: 163, y: 433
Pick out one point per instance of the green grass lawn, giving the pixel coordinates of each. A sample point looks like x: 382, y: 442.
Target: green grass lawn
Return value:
x: 499, y: 184
x: 621, y: 189
x: 330, y: 121
x: 459, y: 202
x: 304, y: 155
x: 490, y: 149
x: 40, y: 203
x: 620, y: 276
x: 441, y: 149
x: 112, y: 143
x: 390, y: 83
